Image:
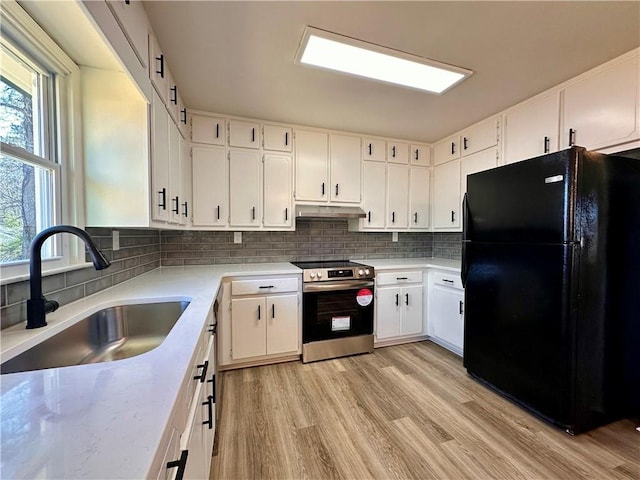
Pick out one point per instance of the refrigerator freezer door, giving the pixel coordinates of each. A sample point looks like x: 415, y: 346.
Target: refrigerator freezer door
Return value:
x: 530, y: 201
x: 518, y: 324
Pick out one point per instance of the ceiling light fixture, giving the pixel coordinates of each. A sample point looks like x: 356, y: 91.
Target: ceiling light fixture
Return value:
x: 331, y: 51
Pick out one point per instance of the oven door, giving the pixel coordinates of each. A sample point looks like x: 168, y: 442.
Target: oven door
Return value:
x: 337, y: 310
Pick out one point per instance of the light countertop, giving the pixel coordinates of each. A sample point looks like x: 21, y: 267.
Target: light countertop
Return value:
x: 400, y: 263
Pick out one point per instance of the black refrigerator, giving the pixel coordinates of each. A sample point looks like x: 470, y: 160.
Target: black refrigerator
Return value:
x: 551, y: 269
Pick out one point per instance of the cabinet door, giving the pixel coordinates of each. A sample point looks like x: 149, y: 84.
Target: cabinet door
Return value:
x: 477, y: 163
x: 420, y: 155
x: 419, y: 197
x: 195, y: 441
x: 182, y: 116
x: 374, y: 150
x: 282, y: 325
x: 446, y: 196
x: 157, y: 67
x: 245, y: 188
x: 480, y: 136
x: 209, y: 186
x: 133, y: 21
x: 185, y: 179
x: 312, y: 162
x: 277, y: 138
x: 345, y: 169
x: 160, y: 160
x: 244, y: 134
x: 397, y: 196
x: 209, y: 130
x: 446, y: 150
x: 374, y: 194
x: 531, y: 129
x: 277, y: 190
x: 248, y: 327
x: 398, y: 152
x: 412, y: 310
x: 388, y: 309
x: 602, y: 110
x: 175, y: 173
x: 446, y: 315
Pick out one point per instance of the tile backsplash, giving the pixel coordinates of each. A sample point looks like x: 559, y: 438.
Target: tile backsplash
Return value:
x: 143, y: 250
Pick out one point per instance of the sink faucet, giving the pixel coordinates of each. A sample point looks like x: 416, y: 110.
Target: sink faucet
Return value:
x: 38, y: 306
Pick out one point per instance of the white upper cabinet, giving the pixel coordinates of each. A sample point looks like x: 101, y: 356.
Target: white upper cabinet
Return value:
x: 420, y: 155
x: 244, y: 134
x: 312, y: 166
x: 277, y: 138
x: 446, y: 196
x: 480, y: 136
x: 160, y: 196
x: 374, y: 149
x: 245, y: 188
x: 175, y: 175
x: 446, y: 150
x: 132, y: 18
x: 208, y: 130
x: 419, y: 198
x: 531, y: 129
x: 374, y: 187
x: 475, y: 163
x: 278, y: 183
x: 398, y: 152
x: 172, y: 97
x: 210, y: 186
x: 397, y: 196
x: 601, y: 110
x: 345, y: 169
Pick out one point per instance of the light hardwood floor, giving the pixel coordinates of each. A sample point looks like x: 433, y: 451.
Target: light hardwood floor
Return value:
x: 407, y: 411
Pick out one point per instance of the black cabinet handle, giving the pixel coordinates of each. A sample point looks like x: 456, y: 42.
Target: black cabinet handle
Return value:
x: 163, y: 202
x: 453, y: 216
x: 461, y: 309
x: 447, y: 281
x: 369, y: 216
x: 217, y: 130
x: 406, y: 299
x: 273, y: 310
x: 393, y: 217
x: 209, y: 404
x: 370, y: 149
x: 286, y: 214
x: 337, y: 189
x: 184, y: 115
x: 417, y: 153
x: 186, y: 209
x: 453, y: 148
x: 402, y: 278
x: 397, y: 299
x: 161, y: 60
x: 415, y: 217
x: 212, y: 381
x: 265, y: 286
x: 218, y: 212
x: 572, y: 137
x: 393, y: 151
x: 323, y: 189
x: 546, y: 144
x: 203, y: 374
x: 464, y: 143
x: 177, y: 209
x: 253, y: 213
x: 286, y: 138
x: 181, y: 463
x: 127, y: 2
x: 259, y: 312
x: 212, y: 330
x: 174, y: 94
x: 253, y: 135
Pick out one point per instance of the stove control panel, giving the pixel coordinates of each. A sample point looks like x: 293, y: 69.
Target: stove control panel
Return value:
x: 337, y: 274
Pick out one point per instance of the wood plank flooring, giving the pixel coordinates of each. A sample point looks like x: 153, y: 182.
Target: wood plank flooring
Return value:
x: 404, y: 412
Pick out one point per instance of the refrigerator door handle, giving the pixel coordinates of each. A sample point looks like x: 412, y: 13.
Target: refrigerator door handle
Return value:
x: 465, y: 238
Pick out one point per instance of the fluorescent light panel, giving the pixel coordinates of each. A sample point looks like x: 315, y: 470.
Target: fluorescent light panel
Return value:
x: 335, y: 52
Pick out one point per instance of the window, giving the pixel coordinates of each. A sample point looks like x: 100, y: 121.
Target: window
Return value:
x: 28, y: 174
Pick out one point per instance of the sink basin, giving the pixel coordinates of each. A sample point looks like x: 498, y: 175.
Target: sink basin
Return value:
x: 110, y: 334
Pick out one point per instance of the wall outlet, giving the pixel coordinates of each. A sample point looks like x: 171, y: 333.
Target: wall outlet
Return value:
x: 237, y: 237
x: 115, y: 242
x: 394, y: 236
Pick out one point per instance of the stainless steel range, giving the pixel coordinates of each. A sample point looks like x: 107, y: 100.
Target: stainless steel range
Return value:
x: 337, y: 309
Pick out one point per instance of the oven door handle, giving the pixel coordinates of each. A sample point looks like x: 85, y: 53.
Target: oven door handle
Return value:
x: 335, y: 286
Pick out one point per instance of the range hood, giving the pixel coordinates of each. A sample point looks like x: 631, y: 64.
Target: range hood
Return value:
x: 324, y: 211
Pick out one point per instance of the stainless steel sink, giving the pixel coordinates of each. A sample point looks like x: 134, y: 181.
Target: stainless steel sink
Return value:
x: 110, y: 334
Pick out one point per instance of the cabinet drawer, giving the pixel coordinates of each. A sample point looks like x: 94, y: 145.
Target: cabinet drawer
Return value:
x: 263, y: 287
x: 447, y: 280
x: 393, y: 278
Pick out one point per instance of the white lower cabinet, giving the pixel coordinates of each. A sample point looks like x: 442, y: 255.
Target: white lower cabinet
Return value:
x: 445, y: 323
x: 399, y: 305
x: 262, y: 322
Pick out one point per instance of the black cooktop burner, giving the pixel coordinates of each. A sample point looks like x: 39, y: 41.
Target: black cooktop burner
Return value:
x: 327, y: 264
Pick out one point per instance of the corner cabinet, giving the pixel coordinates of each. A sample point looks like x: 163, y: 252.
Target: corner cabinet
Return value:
x: 445, y: 324
x: 399, y: 306
x: 261, y: 320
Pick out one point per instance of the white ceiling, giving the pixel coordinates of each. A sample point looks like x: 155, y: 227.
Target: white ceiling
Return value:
x: 238, y: 57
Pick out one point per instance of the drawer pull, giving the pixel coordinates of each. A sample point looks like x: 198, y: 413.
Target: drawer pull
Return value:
x: 402, y: 278
x: 448, y: 281
x: 203, y: 374
x: 180, y: 463
x: 265, y: 286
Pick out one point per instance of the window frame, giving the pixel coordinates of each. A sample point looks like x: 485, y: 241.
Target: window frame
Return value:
x: 63, y: 147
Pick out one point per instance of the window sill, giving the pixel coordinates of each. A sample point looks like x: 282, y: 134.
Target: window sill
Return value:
x: 45, y: 273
